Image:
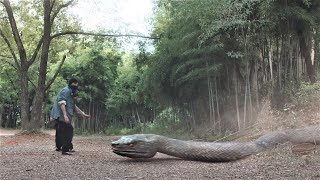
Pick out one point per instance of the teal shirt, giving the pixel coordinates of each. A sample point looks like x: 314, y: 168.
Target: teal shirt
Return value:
x: 64, y: 95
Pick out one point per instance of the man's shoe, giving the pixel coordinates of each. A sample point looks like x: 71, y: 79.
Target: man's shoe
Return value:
x: 65, y: 153
x: 72, y: 151
x: 58, y: 149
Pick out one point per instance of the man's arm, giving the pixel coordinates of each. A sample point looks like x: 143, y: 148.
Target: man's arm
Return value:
x: 80, y: 112
x: 64, y: 111
x: 62, y: 101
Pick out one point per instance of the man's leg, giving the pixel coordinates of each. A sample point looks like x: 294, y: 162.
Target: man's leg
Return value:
x: 66, y: 137
x: 71, y: 145
x: 58, y: 136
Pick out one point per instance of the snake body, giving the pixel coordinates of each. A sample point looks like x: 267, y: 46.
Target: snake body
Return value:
x: 147, y: 145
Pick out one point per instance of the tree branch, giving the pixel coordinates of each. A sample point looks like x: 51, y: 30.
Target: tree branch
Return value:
x: 99, y: 34
x: 56, y: 73
x: 36, y: 51
x: 52, y: 4
x: 12, y: 65
x: 15, y: 32
x: 58, y: 10
x: 10, y: 48
x: 33, y: 85
x: 8, y: 57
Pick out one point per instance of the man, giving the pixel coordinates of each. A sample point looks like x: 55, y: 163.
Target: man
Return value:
x: 62, y: 111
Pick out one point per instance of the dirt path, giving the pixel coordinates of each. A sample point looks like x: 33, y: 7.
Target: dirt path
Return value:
x: 11, y: 132
x: 5, y: 132
x: 33, y: 157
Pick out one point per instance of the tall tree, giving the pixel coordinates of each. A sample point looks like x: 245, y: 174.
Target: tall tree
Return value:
x: 24, y: 57
x: 23, y: 63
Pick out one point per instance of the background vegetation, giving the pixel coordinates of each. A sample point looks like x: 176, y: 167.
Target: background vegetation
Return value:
x: 214, y: 64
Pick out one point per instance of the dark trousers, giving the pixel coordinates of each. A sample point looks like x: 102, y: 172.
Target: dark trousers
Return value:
x: 58, y: 136
x: 64, y: 135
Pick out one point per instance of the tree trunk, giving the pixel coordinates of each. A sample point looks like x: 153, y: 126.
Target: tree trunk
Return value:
x: 236, y: 97
x: 40, y: 91
x: 298, y: 60
x: 218, y: 109
x: 212, y: 106
x: 22, y: 67
x: 209, y: 95
x: 291, y: 46
x: 24, y: 99
x: 279, y: 66
x: 271, y: 62
x: 305, y: 51
x: 316, y: 48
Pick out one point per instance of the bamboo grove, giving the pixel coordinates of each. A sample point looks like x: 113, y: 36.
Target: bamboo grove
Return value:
x: 218, y: 59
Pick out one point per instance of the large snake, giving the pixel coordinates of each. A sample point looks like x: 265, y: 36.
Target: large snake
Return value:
x: 147, y: 145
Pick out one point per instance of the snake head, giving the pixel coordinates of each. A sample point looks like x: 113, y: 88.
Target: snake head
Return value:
x: 135, y: 146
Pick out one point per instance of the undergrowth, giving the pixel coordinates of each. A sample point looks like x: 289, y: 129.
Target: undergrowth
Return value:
x: 294, y: 99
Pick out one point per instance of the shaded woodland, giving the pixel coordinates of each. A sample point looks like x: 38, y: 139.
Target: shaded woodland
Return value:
x: 213, y: 64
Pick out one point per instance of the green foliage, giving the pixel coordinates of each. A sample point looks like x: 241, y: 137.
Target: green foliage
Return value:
x: 124, y: 94
x: 95, y: 69
x: 205, y: 47
x: 9, y: 85
x: 210, y: 40
x: 300, y: 95
x: 166, y: 123
x: 182, y: 59
x: 29, y: 21
x: 95, y: 65
x: 307, y: 94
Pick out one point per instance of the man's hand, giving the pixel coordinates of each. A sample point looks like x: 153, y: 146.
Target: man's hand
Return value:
x: 81, y: 113
x: 65, y: 116
x: 66, y: 119
x: 84, y: 115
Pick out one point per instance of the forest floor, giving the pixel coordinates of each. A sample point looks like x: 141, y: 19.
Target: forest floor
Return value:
x: 34, y: 157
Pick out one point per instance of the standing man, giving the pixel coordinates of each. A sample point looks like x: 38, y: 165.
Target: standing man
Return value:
x: 62, y: 111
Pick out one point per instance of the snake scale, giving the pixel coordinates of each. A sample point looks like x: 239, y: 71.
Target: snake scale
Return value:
x: 147, y: 145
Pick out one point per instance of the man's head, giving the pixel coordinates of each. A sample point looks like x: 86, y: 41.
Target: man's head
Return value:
x: 73, y: 84
x: 73, y: 81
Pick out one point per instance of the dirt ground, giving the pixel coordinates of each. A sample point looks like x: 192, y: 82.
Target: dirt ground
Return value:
x: 34, y: 157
